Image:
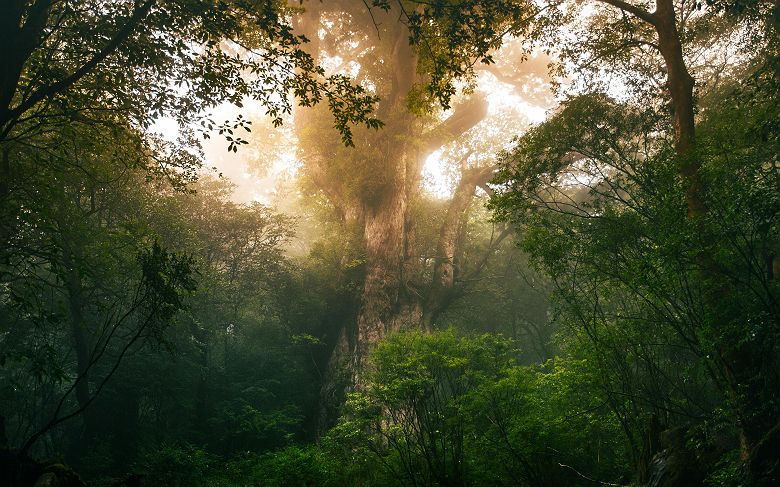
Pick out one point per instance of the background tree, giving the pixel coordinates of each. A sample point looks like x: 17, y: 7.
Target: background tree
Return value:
x: 78, y: 260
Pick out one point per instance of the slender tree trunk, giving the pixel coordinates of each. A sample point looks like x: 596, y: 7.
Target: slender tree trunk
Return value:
x: 82, y: 347
x: 681, y: 83
x: 200, y: 414
x: 7, y: 214
x: 741, y: 361
x: 78, y: 327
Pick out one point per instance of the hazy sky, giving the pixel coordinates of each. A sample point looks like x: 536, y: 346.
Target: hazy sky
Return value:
x: 232, y: 165
x: 437, y: 180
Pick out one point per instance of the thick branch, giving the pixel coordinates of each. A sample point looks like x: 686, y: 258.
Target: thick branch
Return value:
x: 17, y: 42
x: 445, y: 267
x: 405, y: 66
x: 466, y: 116
x: 633, y: 10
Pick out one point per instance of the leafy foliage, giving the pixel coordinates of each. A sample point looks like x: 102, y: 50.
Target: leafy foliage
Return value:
x: 162, y: 58
x: 603, y: 215
x: 440, y: 409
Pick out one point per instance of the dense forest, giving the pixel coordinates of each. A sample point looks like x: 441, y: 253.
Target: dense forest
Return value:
x: 490, y: 242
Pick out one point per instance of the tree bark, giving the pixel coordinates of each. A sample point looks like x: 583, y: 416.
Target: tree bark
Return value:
x: 446, y: 266
x: 384, y: 232
x: 681, y: 83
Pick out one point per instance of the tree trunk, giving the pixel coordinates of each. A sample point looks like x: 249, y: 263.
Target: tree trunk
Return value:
x: 385, y: 236
x: 81, y: 344
x: 681, y: 84
x: 740, y: 359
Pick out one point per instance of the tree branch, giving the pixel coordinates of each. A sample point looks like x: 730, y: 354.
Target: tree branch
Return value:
x: 466, y: 116
x: 46, y: 91
x: 442, y: 289
x: 634, y: 10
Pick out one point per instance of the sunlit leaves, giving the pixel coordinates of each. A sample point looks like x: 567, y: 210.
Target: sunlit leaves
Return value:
x: 452, y: 37
x: 179, y: 61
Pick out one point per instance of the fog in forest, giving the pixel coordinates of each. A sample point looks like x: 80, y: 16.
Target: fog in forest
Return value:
x: 389, y: 243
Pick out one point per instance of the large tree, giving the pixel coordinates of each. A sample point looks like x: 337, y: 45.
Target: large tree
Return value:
x: 686, y: 38
x: 375, y: 186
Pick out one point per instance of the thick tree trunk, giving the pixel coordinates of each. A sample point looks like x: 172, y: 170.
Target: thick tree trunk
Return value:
x: 382, y: 212
x: 384, y: 232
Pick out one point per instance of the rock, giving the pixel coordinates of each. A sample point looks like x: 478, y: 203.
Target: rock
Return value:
x: 675, y: 465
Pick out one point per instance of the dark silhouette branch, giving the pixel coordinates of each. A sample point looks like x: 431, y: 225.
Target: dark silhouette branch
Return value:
x: 638, y: 12
x: 139, y: 12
